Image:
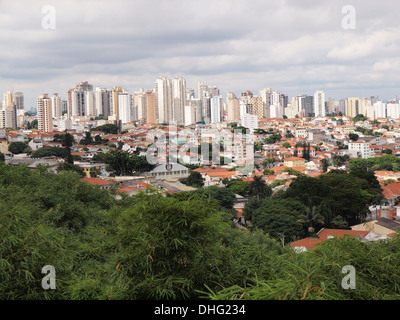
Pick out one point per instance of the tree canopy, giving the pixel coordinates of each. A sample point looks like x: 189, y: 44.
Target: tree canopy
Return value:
x: 184, y: 245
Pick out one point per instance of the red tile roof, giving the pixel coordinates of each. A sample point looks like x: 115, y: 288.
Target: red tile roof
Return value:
x: 294, y: 159
x: 96, y: 181
x: 308, y: 243
x: 323, y: 234
x: 391, y: 191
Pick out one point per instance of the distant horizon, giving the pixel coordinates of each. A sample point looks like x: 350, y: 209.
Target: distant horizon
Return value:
x: 63, y: 94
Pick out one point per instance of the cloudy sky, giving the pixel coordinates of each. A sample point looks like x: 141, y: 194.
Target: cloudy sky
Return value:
x: 293, y: 46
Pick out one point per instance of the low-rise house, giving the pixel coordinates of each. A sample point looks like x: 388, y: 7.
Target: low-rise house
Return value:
x: 103, y: 184
x: 294, y: 162
x: 326, y: 234
x: 91, y: 168
x: 4, y: 144
x: 35, y: 144
x: 381, y: 226
x: 169, y: 170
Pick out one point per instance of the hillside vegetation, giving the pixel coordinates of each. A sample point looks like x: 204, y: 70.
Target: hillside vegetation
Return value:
x: 152, y: 246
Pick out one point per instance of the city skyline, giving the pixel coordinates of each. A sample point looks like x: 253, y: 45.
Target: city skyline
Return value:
x: 236, y: 46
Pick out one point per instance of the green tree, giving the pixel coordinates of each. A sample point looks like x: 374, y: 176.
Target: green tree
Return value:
x: 195, y: 179
x: 353, y: 136
x: 108, y: 128
x: 359, y: 117
x: 239, y: 186
x: 268, y: 172
x: 87, y: 140
x: 311, y: 218
x: 268, y: 162
x: 325, y: 164
x: 169, y: 248
x: 17, y: 147
x: 259, y: 188
x: 258, y: 146
x: 70, y: 167
x: 273, y: 138
x: 48, y: 152
x: 289, y: 134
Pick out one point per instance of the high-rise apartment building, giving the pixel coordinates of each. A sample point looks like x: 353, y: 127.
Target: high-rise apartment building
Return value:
x: 342, y: 106
x: 277, y: 105
x: 8, y: 116
x: 164, y: 100
x: 44, y: 113
x: 179, y: 100
x: 56, y: 106
x: 331, y: 105
x: 306, y: 105
x: 196, y: 113
x: 380, y: 109
x: 151, y: 106
x: 265, y: 95
x: 78, y: 99
x: 19, y: 101
x: 319, y: 104
x: 258, y: 106
x: 125, y: 107
x: 115, y: 92
x: 216, y: 109
x: 352, y: 107
x: 233, y: 107
x: 189, y: 94
x: 139, y: 103
x: 103, y: 101
x: 205, y: 94
x: 90, y: 104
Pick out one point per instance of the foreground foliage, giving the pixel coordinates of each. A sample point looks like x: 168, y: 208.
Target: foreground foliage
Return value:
x: 152, y: 246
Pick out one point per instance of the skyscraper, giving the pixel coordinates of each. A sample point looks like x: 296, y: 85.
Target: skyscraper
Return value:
x: 205, y: 94
x: 179, y: 100
x: 216, y: 109
x: 77, y: 99
x: 306, y: 105
x: 8, y: 111
x: 258, y: 106
x: 44, y: 113
x: 151, y: 106
x: 56, y: 106
x: 102, y: 100
x: 319, y: 104
x: 90, y: 103
x: 233, y: 107
x: 125, y: 106
x: 277, y: 107
x: 139, y: 102
x: 164, y: 100
x: 194, y: 109
x: 265, y: 95
x: 19, y: 101
x: 190, y: 94
x: 352, y: 107
x: 115, y: 92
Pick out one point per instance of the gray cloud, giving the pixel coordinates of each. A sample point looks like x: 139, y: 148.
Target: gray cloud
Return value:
x: 293, y: 46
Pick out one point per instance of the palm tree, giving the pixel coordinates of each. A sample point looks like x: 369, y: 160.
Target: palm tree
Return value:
x: 311, y: 217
